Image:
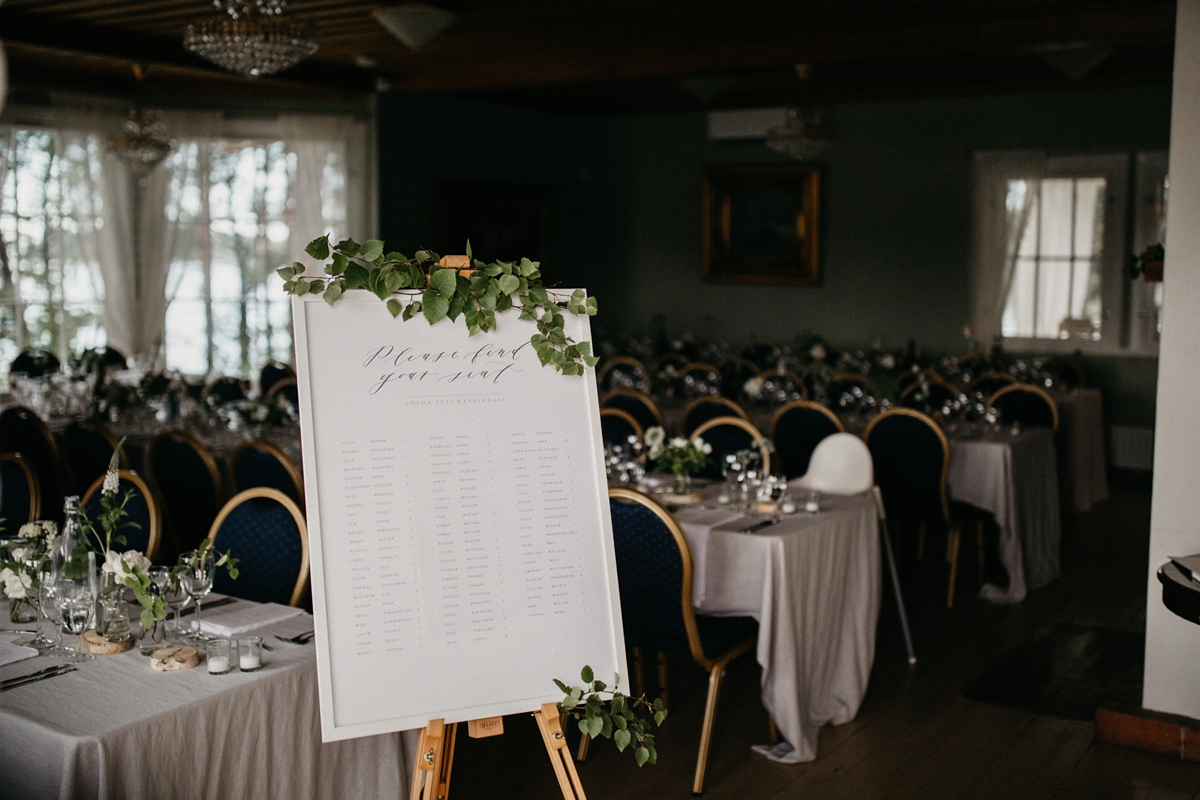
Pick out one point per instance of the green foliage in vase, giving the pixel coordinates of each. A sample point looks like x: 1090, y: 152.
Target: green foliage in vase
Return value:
x: 601, y: 711
x: 438, y: 293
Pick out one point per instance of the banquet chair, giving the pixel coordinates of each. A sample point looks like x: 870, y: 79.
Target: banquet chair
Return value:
x: 623, y: 372
x: 34, y: 363
x: 273, y: 372
x: 87, y: 448
x: 20, y: 500
x: 637, y: 405
x: 1026, y: 404
x: 258, y: 463
x: 783, y: 387
x: 702, y: 409
x: 288, y: 390
x: 224, y: 390
x: 760, y: 353
x: 912, y: 456
x: 676, y: 360
x: 22, y: 431
x: 617, y: 426
x: 189, y: 482
x: 846, y: 383
x: 265, y: 532
x: 735, y: 371
x: 654, y: 572
x: 728, y: 435
x: 841, y: 464
x: 145, y: 512
x: 797, y: 429
x: 991, y: 382
x: 698, y: 379
x: 940, y: 393
x: 1068, y: 372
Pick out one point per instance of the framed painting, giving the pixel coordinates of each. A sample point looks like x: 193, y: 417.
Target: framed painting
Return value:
x: 761, y: 224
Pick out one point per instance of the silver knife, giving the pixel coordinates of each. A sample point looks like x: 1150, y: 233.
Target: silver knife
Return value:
x: 764, y: 524
x: 20, y: 678
x: 34, y: 678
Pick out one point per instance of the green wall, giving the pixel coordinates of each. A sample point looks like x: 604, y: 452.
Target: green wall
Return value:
x: 895, y: 197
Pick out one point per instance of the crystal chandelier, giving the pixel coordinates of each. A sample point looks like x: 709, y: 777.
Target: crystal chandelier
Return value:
x: 142, y: 143
x: 252, y: 39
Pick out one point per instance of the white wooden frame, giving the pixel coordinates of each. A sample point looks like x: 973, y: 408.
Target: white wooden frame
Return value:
x: 357, y: 309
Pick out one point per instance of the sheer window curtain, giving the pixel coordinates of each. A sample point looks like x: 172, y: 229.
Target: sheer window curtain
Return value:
x: 1002, y: 217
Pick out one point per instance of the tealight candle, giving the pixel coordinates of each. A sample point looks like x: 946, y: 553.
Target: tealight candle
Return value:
x: 813, y: 504
x: 218, y: 656
x: 788, y: 507
x: 250, y: 653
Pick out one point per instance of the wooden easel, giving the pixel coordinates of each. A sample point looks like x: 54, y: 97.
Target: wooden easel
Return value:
x: 435, y: 754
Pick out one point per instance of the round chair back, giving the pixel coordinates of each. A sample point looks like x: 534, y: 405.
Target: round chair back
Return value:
x: 735, y: 371
x: 266, y: 533
x: 20, y: 500
x: 258, y: 463
x: 34, y: 363
x: 729, y: 435
x: 911, y: 456
x: 783, y: 387
x: 225, y: 390
x: 797, y: 429
x: 991, y: 382
x: 189, y: 482
x: 22, y: 431
x: 623, y: 372
x: 933, y: 396
x: 87, y: 448
x: 143, y: 528
x: 1028, y: 405
x: 617, y: 426
x: 699, y: 380
x: 272, y: 373
x: 841, y: 464
x: 637, y: 405
x: 702, y: 409
x: 845, y: 389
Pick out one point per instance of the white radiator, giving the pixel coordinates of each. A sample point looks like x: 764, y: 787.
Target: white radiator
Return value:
x: 1131, y: 447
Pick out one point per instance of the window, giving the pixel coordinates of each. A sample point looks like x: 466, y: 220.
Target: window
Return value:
x: 228, y: 313
x: 50, y: 295
x: 1050, y: 247
x: 1152, y: 188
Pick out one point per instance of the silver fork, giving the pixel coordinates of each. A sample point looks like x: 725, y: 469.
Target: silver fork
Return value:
x: 302, y: 638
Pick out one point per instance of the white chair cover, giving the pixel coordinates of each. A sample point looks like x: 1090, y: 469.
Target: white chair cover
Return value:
x: 841, y: 464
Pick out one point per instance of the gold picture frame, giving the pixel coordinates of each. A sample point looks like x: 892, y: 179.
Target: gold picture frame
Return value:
x: 761, y: 224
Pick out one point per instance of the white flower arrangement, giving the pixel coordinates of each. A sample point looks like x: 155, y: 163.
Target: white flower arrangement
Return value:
x: 13, y: 588
x: 817, y: 352
x: 126, y: 566
x: 753, y: 388
x: 763, y: 445
x: 654, y: 438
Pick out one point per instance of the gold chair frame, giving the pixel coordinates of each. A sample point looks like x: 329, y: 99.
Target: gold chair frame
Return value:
x: 281, y: 384
x: 737, y: 422
x: 678, y: 359
x: 810, y: 404
x: 796, y: 379
x: 35, y: 490
x: 275, y: 452
x: 715, y: 666
x: 617, y: 361
x: 641, y: 397
x: 293, y: 509
x: 154, y: 539
x: 737, y: 410
x: 953, y: 529
x: 852, y: 377
x: 622, y: 414
x: 933, y: 379
x: 992, y: 375
x: 48, y: 435
x: 1028, y: 388
x: 210, y: 463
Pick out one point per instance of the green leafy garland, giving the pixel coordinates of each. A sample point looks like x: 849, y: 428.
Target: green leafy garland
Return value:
x: 439, y: 292
x: 613, y: 718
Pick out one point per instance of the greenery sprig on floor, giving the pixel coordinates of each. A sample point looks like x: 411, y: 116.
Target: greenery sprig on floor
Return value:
x: 438, y: 292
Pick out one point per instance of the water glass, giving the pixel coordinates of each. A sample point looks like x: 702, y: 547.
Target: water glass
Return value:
x: 76, y: 608
x: 197, y: 578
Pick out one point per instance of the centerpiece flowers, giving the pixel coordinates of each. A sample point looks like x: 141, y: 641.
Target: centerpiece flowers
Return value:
x: 678, y: 456
x: 20, y: 566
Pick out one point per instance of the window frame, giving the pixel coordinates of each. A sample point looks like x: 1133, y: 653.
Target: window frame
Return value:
x: 993, y: 171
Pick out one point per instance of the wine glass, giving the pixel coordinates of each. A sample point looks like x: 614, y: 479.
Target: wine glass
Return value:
x: 48, y: 597
x: 33, y: 573
x: 176, y: 598
x: 76, y: 607
x: 197, y: 580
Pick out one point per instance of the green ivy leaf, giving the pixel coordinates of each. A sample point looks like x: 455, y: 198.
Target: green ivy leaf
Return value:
x: 468, y: 249
x: 356, y: 276
x: 370, y: 250
x: 641, y: 756
x: 338, y: 265
x: 444, y: 282
x: 333, y: 293
x: 595, y: 726
x: 509, y: 284
x: 318, y: 248
x: 527, y: 267
x: 621, y: 739
x: 347, y: 246
x: 411, y: 309
x: 395, y: 307
x: 434, y: 306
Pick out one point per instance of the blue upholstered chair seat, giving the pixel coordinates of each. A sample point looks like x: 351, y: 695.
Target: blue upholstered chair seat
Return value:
x: 717, y: 635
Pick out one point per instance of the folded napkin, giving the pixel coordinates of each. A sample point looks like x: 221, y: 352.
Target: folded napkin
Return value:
x: 12, y: 653
x: 242, y: 617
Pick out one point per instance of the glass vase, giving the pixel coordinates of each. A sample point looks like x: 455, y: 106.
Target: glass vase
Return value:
x: 21, y: 611
x: 683, y: 483
x: 154, y: 638
x: 113, y: 623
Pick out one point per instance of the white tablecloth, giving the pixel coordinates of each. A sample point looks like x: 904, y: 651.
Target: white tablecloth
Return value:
x: 1016, y: 480
x: 813, y: 584
x: 117, y: 729
x: 1083, y: 468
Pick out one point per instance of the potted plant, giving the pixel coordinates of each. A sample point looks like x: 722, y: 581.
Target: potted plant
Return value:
x: 1149, y: 265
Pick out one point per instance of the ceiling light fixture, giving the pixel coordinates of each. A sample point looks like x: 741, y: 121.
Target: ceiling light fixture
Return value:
x: 802, y: 135
x: 415, y: 24
x: 143, y: 142
x: 252, y: 39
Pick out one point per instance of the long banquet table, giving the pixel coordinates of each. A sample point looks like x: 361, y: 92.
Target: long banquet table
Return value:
x: 813, y: 583
x: 117, y: 729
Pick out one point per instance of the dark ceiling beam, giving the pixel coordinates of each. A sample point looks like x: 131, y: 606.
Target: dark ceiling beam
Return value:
x: 71, y: 37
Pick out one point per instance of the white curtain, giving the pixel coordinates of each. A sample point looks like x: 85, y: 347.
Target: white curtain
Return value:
x: 1006, y: 195
x: 330, y: 184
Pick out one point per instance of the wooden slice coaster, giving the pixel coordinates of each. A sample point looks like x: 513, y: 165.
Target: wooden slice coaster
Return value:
x: 173, y: 658
x: 97, y: 645
x: 672, y: 499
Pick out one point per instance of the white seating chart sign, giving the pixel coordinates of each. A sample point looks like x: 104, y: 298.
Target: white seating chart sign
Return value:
x: 460, y: 538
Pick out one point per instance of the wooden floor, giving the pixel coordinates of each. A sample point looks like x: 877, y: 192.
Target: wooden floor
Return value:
x: 916, y: 736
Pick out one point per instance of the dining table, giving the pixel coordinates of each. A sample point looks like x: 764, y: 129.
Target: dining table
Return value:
x: 813, y: 583
x: 116, y: 728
